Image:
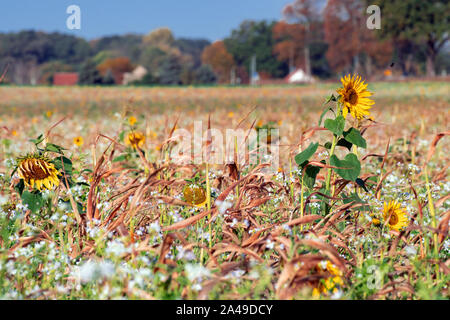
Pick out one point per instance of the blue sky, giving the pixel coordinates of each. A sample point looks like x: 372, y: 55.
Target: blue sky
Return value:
x: 210, y: 19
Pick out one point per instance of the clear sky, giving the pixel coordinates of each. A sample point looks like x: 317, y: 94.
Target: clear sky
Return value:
x: 210, y: 19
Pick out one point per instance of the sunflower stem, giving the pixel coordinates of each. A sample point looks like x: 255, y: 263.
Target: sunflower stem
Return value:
x: 432, y: 212
x: 333, y: 145
x: 301, y: 203
x: 291, y: 180
x: 208, y: 202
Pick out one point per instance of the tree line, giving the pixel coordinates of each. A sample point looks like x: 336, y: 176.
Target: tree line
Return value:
x: 325, y: 41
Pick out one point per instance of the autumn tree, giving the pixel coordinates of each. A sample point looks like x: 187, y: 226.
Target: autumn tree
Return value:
x: 351, y: 45
x: 306, y: 14
x: 220, y: 60
x: 290, y: 43
x: 116, y: 66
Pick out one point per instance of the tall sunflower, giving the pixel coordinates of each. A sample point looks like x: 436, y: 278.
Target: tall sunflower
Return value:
x: 354, y: 97
x: 38, y: 171
x: 398, y: 219
x: 135, y: 139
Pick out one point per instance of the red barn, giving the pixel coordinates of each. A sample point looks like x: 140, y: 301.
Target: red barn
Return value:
x: 65, y: 78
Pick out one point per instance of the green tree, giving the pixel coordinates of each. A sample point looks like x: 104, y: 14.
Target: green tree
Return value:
x: 205, y: 75
x: 255, y: 38
x: 422, y: 22
x: 192, y: 48
x: 170, y: 71
x: 89, y: 74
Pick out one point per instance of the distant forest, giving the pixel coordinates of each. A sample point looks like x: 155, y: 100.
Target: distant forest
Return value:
x: 413, y: 41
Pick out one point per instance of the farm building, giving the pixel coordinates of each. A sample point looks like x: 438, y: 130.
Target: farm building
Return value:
x: 65, y: 79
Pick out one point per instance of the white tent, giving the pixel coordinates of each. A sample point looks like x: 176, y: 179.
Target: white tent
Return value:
x: 298, y: 76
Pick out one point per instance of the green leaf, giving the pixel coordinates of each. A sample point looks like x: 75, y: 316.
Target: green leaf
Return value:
x: 54, y: 148
x: 20, y: 186
x: 122, y: 136
x: 33, y: 200
x: 310, y: 174
x: 335, y: 125
x: 355, y: 198
x: 6, y: 143
x: 345, y: 143
x: 306, y: 154
x: 354, y: 136
x: 323, y: 114
x: 38, y: 140
x: 350, y: 163
x: 120, y: 158
x: 63, y: 164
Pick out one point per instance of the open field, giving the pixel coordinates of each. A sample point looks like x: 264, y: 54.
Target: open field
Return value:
x: 125, y: 227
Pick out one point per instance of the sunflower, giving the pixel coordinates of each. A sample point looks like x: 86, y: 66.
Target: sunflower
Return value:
x: 195, y: 195
x: 38, y: 171
x: 354, y: 97
x: 135, y: 139
x: 132, y: 120
x: 398, y: 218
x: 78, y: 141
x: 330, y: 284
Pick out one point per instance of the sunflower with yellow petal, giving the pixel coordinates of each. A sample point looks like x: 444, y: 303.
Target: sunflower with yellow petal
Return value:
x: 354, y: 97
x: 132, y: 120
x: 135, y: 139
x: 38, y: 171
x: 396, y: 217
x: 78, y: 141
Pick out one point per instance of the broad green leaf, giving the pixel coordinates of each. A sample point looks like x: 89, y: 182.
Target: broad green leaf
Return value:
x: 306, y: 154
x: 344, y: 143
x: 33, y: 200
x: 354, y: 136
x: 350, y: 163
x: 310, y: 174
x: 63, y: 163
x: 336, y: 125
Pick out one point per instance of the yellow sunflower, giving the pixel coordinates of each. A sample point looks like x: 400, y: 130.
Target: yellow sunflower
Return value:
x: 135, y: 139
x: 398, y: 218
x: 330, y: 284
x: 195, y: 195
x: 78, y: 141
x: 132, y: 120
x: 37, y: 171
x: 354, y: 97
